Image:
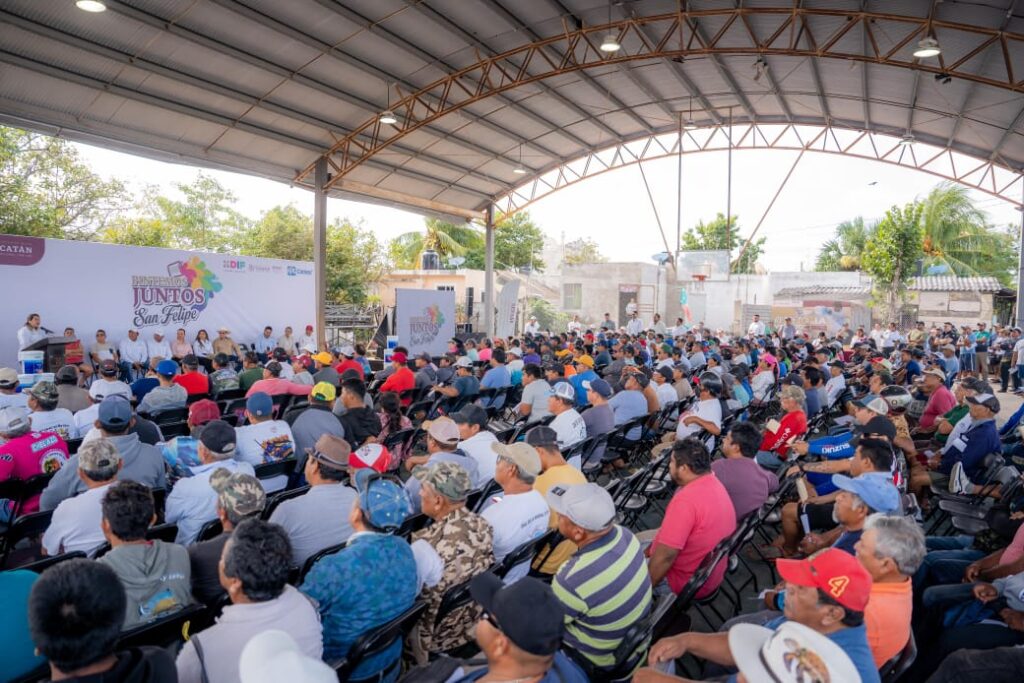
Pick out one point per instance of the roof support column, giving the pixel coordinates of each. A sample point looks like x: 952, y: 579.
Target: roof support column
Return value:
x: 489, y: 272
x: 320, y: 249
x: 1020, y: 265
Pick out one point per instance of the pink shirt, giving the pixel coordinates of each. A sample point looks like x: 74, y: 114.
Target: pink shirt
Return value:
x: 939, y: 403
x: 31, y: 454
x: 699, y: 515
x: 1015, y: 550
x: 277, y: 385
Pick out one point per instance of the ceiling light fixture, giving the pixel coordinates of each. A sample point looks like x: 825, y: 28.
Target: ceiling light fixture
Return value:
x: 611, y: 42
x: 943, y: 78
x: 928, y: 47
x: 90, y: 6
x: 387, y: 117
x: 760, y: 68
x: 907, y: 140
x: 690, y: 125
x: 519, y: 169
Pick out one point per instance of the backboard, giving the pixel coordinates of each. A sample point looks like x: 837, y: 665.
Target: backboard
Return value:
x: 713, y: 264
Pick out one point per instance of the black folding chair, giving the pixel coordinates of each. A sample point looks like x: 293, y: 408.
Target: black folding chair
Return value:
x: 412, y: 524
x: 210, y: 530
x: 477, y: 499
x: 524, y: 553
x: 28, y: 526
x: 42, y: 565
x: 269, y: 470
x: 311, y: 561
x: 275, y: 499
x: 73, y: 445
x: 894, y: 669
x: 166, y: 631
x: 162, y: 532
x: 377, y: 640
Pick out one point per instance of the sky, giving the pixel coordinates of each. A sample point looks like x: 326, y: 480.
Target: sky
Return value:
x: 613, y: 209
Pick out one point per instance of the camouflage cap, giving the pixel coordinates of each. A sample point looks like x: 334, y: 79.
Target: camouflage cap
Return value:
x: 449, y: 479
x: 98, y: 455
x: 238, y: 493
x: 45, y: 391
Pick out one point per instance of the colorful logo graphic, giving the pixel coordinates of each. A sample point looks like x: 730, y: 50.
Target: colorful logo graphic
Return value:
x: 435, y: 315
x: 177, y: 298
x: 423, y: 329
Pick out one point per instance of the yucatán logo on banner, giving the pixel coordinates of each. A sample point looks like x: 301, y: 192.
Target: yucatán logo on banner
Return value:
x: 178, y: 298
x: 423, y: 329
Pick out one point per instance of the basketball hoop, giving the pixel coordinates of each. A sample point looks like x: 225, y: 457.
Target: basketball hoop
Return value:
x: 698, y: 281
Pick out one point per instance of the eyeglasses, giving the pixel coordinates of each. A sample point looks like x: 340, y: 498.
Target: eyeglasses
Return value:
x: 490, y: 620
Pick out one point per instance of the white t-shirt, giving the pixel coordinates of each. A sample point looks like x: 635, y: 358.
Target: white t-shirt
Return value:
x: 709, y: 409
x: 102, y: 388
x: 59, y: 420
x: 479, y: 448
x: 307, y: 342
x: 429, y: 565
x: 85, y: 419
x: 262, y: 442
x: 574, y: 326
x: 133, y: 351
x: 516, y: 519
x: 536, y: 394
x: 756, y: 328
x: 28, y: 336
x: 835, y: 387
x: 76, y: 523
x: 666, y: 394
x: 570, y: 428
x: 8, y: 400
x: 158, y: 349
x: 761, y: 383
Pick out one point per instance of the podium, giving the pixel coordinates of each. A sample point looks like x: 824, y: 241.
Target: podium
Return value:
x: 53, y: 351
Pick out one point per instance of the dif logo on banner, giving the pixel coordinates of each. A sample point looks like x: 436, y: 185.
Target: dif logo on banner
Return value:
x: 178, y: 298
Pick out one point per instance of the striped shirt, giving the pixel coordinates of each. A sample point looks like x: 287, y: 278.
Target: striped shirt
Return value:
x: 604, y: 589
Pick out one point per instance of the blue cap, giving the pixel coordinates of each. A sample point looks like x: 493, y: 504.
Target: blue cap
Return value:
x: 167, y: 368
x: 715, y: 357
x: 383, y: 501
x: 115, y: 411
x: 260, y: 404
x: 874, y: 488
x: 599, y: 386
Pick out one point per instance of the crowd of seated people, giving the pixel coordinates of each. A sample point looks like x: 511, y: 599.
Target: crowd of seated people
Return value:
x: 558, y: 504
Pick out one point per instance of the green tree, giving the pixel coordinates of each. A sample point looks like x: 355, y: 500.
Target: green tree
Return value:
x: 548, y: 316
x: 205, y: 220
x: 890, y: 254
x: 844, y: 251
x: 518, y: 243
x: 721, y: 235
x: 447, y: 239
x: 47, y: 191
x: 282, y: 232
x: 955, y: 232
x: 582, y: 251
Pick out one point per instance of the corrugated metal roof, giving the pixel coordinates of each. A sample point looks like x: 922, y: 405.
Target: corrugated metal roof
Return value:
x: 951, y: 283
x: 265, y: 87
x: 822, y: 290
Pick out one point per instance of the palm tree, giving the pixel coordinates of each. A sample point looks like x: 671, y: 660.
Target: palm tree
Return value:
x: 844, y: 251
x: 447, y: 239
x: 956, y: 234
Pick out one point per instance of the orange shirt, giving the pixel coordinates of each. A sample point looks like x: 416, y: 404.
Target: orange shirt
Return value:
x: 887, y: 619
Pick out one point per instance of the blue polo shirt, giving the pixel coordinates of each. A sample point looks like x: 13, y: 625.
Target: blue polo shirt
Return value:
x: 17, y: 652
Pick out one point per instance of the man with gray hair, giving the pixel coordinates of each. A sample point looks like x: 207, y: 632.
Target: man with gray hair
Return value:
x: 891, y: 549
x: 521, y: 514
x: 193, y: 502
x: 603, y: 587
x: 76, y: 523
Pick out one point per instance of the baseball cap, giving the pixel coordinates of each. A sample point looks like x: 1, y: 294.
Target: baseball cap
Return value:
x: 555, y: 367
x: 237, y: 492
x: 599, y: 387
x: 987, y: 400
x: 115, y: 412
x: 372, y: 455
x: 13, y: 419
x: 588, y: 505
x: 443, y: 430
x: 769, y: 359
x: 874, y: 488
x: 332, y: 451
x: 384, y: 502
x: 936, y: 372
x: 527, y: 612
x: 218, y: 436
x: 274, y: 656
x: 542, y: 436
x: 522, y: 454
x: 792, y: 653
x: 516, y: 351
x: 449, y: 479
x: 471, y: 414
x: 322, y: 391
x: 875, y: 405
x: 167, y: 368
x: 641, y: 379
x: 463, y: 362
x: 585, y: 360
x: 203, y: 411
x: 44, y: 391
x: 564, y: 390
x: 67, y: 373
x: 98, y: 454
x: 223, y: 329
x: 159, y: 332
x: 260, y: 404
x: 323, y: 358
x: 665, y: 372
x: 8, y: 377
x: 399, y: 357
x: 837, y: 573
x: 347, y: 351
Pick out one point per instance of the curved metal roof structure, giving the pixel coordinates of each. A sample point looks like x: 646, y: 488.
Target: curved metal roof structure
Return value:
x: 484, y: 88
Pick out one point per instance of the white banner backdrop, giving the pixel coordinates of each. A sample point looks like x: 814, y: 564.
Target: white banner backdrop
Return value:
x: 508, y: 309
x: 424, y: 319
x: 88, y: 286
